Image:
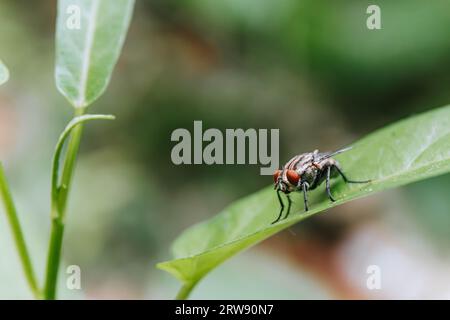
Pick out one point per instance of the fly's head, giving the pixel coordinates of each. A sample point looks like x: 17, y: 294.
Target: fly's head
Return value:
x: 286, y: 180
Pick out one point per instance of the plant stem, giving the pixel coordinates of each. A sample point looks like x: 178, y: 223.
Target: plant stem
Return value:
x: 19, y: 239
x: 59, y: 204
x: 185, y: 290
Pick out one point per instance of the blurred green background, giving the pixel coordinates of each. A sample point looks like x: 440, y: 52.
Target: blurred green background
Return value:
x: 310, y: 68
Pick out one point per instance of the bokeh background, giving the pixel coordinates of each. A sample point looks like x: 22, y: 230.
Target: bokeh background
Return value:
x: 308, y: 67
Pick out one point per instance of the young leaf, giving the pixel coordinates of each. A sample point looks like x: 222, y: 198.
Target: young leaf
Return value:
x: 62, y: 139
x: 4, y: 73
x: 89, y: 38
x: 409, y: 150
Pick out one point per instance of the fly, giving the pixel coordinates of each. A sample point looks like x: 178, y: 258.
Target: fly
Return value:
x: 306, y: 172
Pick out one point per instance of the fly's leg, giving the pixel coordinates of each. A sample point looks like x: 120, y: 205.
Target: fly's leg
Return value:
x: 346, y: 179
x: 305, y: 187
x: 289, y: 206
x: 281, y: 207
x: 328, y: 184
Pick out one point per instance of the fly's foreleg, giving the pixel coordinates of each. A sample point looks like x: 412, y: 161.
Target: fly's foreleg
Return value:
x: 281, y: 207
x: 289, y: 206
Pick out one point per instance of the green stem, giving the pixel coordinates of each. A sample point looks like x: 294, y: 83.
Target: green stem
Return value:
x: 59, y: 204
x: 185, y: 290
x: 19, y: 239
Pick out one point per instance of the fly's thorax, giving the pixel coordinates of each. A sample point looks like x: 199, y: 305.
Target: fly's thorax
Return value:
x: 309, y: 174
x: 304, y: 166
x: 300, y: 161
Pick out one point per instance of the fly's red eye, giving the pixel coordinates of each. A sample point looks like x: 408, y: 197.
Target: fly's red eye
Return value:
x: 276, y: 175
x: 292, y: 177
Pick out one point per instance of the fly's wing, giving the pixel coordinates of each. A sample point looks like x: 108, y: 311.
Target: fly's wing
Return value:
x: 326, y: 155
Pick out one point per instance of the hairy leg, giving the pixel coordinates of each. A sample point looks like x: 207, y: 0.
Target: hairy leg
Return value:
x: 289, y: 206
x: 281, y: 207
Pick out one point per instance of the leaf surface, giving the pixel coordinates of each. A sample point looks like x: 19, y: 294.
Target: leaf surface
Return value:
x: 407, y: 151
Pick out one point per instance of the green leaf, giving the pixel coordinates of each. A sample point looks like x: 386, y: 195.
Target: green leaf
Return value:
x: 4, y: 73
x: 409, y: 150
x: 89, y: 37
